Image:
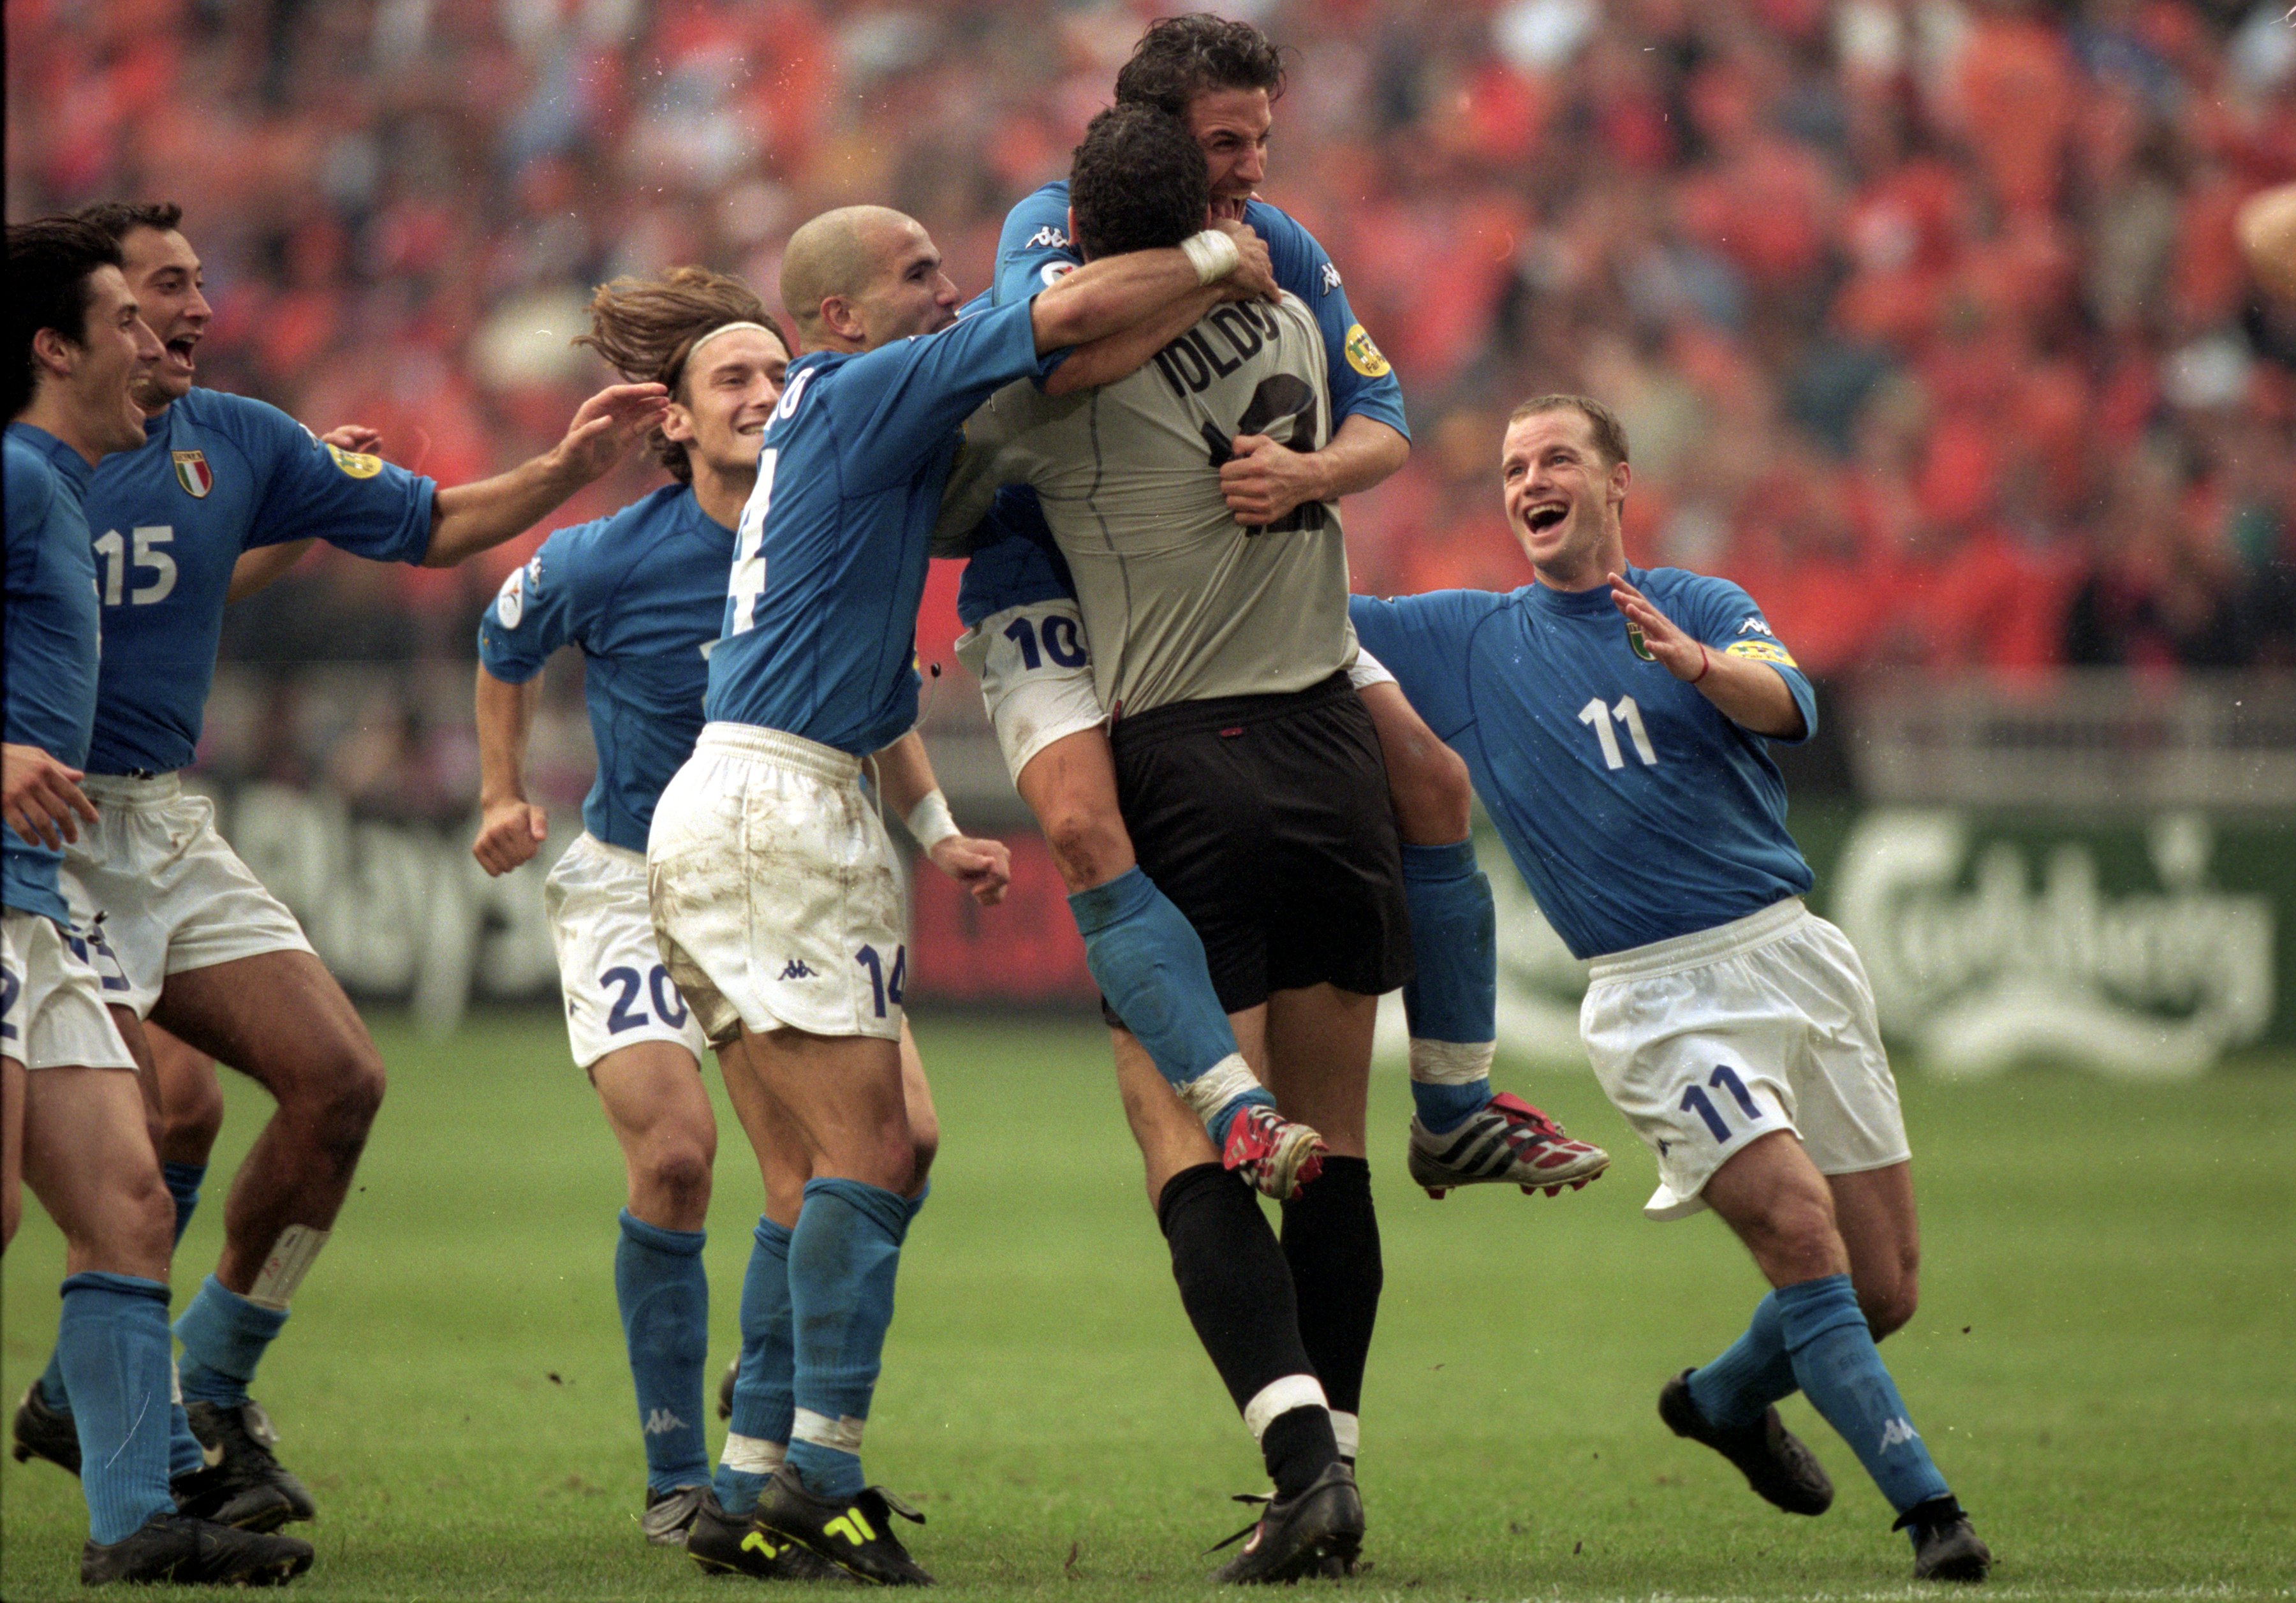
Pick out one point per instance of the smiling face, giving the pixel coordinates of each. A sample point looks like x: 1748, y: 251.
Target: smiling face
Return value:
x: 1232, y: 127
x: 163, y: 273
x: 1562, y: 499
x: 725, y: 399
x: 109, y: 369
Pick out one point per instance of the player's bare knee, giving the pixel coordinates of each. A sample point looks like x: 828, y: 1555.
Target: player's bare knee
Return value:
x: 678, y: 1173
x: 190, y: 1120
x: 1432, y: 795
x: 1087, y: 845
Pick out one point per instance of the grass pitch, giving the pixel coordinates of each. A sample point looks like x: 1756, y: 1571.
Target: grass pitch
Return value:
x: 2101, y: 1362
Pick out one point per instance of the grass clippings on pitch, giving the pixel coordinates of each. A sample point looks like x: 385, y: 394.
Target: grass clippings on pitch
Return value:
x: 2101, y: 1362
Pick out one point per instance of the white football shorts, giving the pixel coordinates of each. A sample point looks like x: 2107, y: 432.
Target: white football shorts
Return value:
x: 1035, y: 670
x: 1764, y: 1023
x: 617, y: 990
x: 1368, y: 670
x: 174, y: 895
x: 52, y: 1012
x: 778, y: 899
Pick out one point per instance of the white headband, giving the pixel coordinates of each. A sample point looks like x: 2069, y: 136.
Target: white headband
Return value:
x: 726, y: 328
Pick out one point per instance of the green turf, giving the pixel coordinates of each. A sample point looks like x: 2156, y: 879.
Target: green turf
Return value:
x: 2101, y: 1362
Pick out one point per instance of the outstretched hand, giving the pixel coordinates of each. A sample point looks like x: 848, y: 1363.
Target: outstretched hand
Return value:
x: 606, y: 426
x: 984, y: 868
x: 1680, y: 655
x: 40, y: 797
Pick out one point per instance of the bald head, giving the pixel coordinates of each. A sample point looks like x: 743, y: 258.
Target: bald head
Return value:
x: 860, y: 276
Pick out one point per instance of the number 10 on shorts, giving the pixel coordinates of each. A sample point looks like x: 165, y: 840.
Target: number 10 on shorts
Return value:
x: 1724, y: 1079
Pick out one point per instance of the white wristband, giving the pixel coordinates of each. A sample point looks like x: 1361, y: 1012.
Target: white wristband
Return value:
x: 931, y: 822
x: 1213, y: 255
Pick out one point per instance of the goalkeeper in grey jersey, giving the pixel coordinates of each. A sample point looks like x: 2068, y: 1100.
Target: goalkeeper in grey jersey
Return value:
x: 1249, y: 775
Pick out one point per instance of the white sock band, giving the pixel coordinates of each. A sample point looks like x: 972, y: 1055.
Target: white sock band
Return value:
x: 1347, y: 1430
x: 1212, y: 254
x: 290, y: 1259
x: 174, y: 1383
x: 1279, y: 1397
x: 1451, y: 1062
x: 752, y: 1455
x: 843, y: 1433
x: 930, y: 821
x: 1220, y: 1085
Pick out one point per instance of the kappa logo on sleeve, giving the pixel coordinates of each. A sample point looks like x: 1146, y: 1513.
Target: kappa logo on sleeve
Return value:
x: 358, y: 465
x: 1330, y: 277
x: 1754, y: 621
x: 1362, y: 356
x: 1048, y: 238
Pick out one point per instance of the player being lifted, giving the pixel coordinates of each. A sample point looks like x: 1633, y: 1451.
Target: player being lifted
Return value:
x: 1614, y: 720
x: 1251, y: 780
x: 776, y: 897
x: 206, y: 951
x: 642, y: 593
x: 72, y: 1117
x: 1221, y: 77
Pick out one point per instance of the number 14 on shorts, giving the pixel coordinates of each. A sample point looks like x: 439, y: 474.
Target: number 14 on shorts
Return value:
x: 885, y: 982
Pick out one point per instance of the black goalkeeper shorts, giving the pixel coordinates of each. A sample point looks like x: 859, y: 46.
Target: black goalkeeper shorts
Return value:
x: 1266, y: 819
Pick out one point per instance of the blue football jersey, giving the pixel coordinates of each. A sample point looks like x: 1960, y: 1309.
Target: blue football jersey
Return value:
x: 642, y: 593
x: 829, y: 566
x: 1032, y: 253
x: 52, y: 642
x: 1635, y: 810
x: 218, y: 475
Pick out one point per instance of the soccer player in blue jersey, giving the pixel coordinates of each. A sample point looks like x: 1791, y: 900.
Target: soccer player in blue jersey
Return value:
x: 776, y: 897
x: 72, y: 1117
x: 205, y: 949
x: 1223, y: 77
x: 642, y: 595
x: 1615, y: 722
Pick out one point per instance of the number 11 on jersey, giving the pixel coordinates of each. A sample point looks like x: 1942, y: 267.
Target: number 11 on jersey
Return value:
x: 1596, y: 717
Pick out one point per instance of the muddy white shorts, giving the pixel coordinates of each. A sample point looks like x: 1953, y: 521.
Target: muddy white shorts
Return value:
x: 778, y: 899
x: 1035, y: 670
x: 1764, y: 1023
x: 175, y: 897
x: 52, y: 1004
x: 617, y: 990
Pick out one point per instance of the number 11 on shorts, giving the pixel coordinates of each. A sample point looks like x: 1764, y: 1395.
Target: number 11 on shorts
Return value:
x: 1724, y: 1079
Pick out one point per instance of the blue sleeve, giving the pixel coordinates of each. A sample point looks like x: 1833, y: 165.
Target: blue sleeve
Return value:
x: 362, y: 503
x: 555, y: 598
x: 1728, y: 621
x: 1035, y: 237
x: 897, y: 405
x: 1362, y: 382
x: 31, y: 490
x: 1423, y: 641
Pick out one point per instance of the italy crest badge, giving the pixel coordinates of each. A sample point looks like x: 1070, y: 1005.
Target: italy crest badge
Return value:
x: 192, y: 472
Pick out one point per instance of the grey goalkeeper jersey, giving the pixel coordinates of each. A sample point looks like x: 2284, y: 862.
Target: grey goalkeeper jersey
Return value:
x: 1180, y: 604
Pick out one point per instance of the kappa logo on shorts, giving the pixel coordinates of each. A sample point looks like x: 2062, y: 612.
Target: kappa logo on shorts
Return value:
x: 797, y: 970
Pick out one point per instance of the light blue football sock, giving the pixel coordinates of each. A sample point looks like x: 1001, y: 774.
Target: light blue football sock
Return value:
x: 1451, y: 1001
x: 1841, y: 1374
x: 185, y: 1454
x: 664, y: 1295
x: 184, y: 1185
x: 764, y: 1386
x: 1149, y: 962
x: 843, y: 1257
x: 113, y: 1340
x: 224, y: 1337
x: 1751, y: 1374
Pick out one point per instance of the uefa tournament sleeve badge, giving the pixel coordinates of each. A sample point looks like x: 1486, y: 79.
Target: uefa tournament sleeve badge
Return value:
x: 192, y: 472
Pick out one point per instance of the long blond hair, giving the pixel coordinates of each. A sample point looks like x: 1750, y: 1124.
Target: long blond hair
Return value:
x: 645, y: 328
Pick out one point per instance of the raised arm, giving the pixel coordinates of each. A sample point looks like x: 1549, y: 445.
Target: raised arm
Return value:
x: 906, y: 785
x: 1747, y: 691
x: 263, y: 566
x: 510, y: 829
x: 472, y: 518
x: 1121, y: 354
x: 1118, y: 292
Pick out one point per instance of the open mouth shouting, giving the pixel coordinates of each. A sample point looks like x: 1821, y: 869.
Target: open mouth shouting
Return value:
x: 1543, y: 517
x: 178, y: 358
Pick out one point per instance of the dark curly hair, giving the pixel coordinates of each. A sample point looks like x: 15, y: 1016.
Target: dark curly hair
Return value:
x: 1137, y: 183
x: 120, y: 218
x: 646, y: 327
x: 50, y: 260
x: 1179, y: 58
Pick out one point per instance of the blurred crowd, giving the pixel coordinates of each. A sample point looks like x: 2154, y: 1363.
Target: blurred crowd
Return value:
x: 1925, y: 316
